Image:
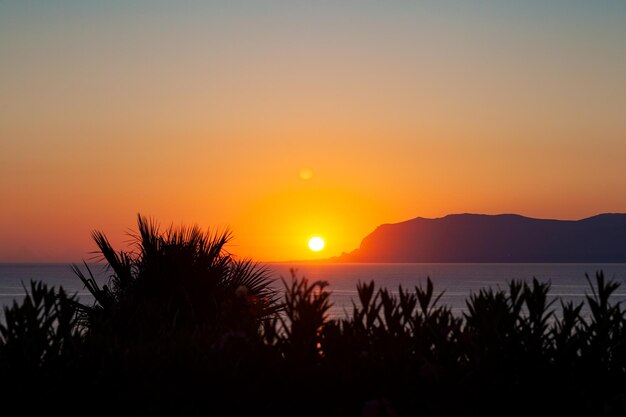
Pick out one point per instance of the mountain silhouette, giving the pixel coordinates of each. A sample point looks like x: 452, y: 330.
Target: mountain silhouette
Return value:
x: 495, y: 238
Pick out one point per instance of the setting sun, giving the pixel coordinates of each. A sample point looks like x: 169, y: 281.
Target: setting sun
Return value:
x: 316, y: 244
x: 295, y: 120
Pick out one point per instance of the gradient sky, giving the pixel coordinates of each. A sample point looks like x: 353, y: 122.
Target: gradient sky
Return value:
x: 206, y: 113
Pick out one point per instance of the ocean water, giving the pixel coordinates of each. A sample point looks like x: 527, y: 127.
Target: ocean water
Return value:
x: 567, y: 281
x: 456, y: 281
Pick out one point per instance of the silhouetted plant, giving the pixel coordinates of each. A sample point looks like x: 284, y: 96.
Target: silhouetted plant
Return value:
x: 182, y: 327
x: 567, y: 331
x: 606, y: 326
x: 178, y: 278
x: 491, y: 325
x: 40, y: 348
x: 602, y: 362
x: 40, y: 331
x: 305, y: 313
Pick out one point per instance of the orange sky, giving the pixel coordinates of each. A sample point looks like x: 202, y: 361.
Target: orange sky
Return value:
x: 206, y: 113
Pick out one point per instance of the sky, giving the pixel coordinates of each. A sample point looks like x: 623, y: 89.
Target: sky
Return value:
x: 281, y: 120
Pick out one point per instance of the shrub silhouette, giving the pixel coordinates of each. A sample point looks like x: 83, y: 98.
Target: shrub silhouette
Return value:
x: 40, y: 345
x: 177, y: 319
x: 184, y: 328
x: 39, y: 331
x: 181, y: 278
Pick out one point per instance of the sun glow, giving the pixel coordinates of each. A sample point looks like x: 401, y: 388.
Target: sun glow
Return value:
x: 316, y: 244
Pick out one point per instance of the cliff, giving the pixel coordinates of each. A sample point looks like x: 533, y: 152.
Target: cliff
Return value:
x: 495, y: 238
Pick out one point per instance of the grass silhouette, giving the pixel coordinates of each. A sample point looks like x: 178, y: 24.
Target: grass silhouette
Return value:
x: 184, y: 328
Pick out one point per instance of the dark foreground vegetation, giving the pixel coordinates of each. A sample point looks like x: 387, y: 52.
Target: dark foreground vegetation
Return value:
x: 183, y: 328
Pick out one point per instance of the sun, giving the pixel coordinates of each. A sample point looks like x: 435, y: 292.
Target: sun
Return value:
x: 316, y: 243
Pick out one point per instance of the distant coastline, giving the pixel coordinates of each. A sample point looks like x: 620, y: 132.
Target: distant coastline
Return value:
x: 504, y: 238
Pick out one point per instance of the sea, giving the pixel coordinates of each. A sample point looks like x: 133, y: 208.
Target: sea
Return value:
x: 457, y: 281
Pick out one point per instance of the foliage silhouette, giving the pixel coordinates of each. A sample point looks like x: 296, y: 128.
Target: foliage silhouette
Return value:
x: 40, y: 345
x: 184, y: 328
x: 179, y: 278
